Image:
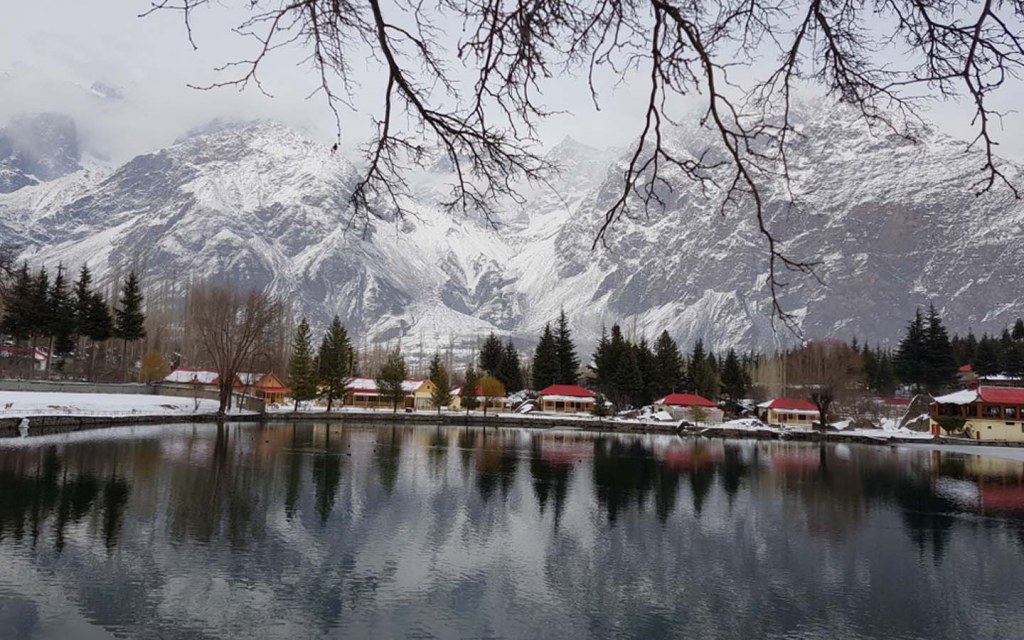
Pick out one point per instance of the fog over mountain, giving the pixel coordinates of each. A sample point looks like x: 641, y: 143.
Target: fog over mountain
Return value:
x: 894, y: 224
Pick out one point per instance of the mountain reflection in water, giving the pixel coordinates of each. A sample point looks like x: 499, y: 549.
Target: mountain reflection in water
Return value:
x: 299, y: 531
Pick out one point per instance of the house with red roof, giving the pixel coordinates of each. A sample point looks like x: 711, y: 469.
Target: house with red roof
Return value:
x: 11, y: 356
x: 567, y: 398
x: 988, y: 413
x: 690, y: 407
x: 789, y: 412
x: 197, y: 377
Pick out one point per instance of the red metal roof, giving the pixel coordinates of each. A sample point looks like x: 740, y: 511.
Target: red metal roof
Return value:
x: 791, y: 404
x: 1001, y: 395
x: 572, y: 390
x: 686, y: 400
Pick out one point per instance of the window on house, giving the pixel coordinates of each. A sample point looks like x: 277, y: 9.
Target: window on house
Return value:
x: 991, y: 411
x: 559, y: 405
x: 972, y: 411
x: 1009, y: 412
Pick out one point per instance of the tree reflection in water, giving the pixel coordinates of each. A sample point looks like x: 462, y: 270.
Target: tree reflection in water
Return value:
x: 361, y: 530
x: 41, y: 493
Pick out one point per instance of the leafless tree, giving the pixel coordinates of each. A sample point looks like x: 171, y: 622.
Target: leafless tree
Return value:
x: 880, y: 56
x: 825, y: 372
x: 230, y: 326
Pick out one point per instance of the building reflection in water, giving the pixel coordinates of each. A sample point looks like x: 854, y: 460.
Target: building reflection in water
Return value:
x: 341, y: 520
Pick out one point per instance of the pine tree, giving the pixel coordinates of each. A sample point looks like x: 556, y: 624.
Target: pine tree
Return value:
x: 302, y: 374
x: 884, y: 381
x: 509, y: 373
x: 734, y: 384
x: 129, y: 319
x: 100, y: 324
x: 603, y: 363
x: 702, y: 372
x: 82, y: 298
x: 469, y: 388
x: 910, y: 356
x: 628, y: 379
x: 18, y: 306
x: 645, y: 365
x: 668, y: 366
x: 939, y: 362
x: 545, y: 361
x: 491, y: 354
x: 617, y: 374
x: 1018, y: 330
x: 441, y: 396
x: 39, y: 312
x: 390, y: 379
x: 986, y: 360
x: 336, y: 362
x: 568, y: 362
x: 61, y: 312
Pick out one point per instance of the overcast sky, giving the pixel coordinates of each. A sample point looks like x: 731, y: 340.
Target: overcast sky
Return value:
x: 53, y: 50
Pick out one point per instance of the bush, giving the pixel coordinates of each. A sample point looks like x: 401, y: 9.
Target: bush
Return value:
x: 951, y: 424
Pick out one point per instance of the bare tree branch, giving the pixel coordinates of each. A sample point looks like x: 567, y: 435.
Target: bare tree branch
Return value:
x: 884, y: 58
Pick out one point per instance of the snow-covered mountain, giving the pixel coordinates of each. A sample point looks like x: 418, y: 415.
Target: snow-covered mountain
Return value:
x: 893, y: 223
x: 35, y: 148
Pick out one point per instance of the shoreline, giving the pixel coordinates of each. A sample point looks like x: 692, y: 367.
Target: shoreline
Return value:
x: 42, y: 425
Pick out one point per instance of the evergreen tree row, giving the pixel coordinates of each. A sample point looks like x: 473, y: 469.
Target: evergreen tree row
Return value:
x: 326, y: 374
x: 502, y: 362
x: 37, y: 308
x: 990, y: 355
x: 555, y: 360
x: 635, y: 374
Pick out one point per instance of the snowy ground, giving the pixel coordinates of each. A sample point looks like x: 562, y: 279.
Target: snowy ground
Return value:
x: 886, y: 432
x: 16, y: 404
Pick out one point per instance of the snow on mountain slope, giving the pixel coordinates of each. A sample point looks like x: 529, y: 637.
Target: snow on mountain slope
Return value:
x: 893, y: 224
x: 258, y: 206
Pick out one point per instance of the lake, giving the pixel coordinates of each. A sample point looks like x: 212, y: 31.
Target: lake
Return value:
x: 311, y: 531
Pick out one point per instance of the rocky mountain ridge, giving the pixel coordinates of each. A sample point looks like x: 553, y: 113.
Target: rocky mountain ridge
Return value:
x: 894, y: 225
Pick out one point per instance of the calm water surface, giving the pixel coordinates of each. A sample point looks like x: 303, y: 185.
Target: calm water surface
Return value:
x: 307, y: 531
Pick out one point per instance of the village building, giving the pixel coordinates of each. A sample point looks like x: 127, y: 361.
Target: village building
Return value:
x: 566, y: 398
x: 496, y: 404
x: 969, y: 378
x: 788, y: 412
x: 197, y: 377
x: 690, y: 407
x: 264, y: 385
x: 11, y: 357
x: 363, y: 393
x: 988, y: 412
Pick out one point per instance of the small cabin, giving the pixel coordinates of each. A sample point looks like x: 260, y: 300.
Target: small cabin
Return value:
x: 690, y: 407
x: 788, y: 412
x: 567, y: 398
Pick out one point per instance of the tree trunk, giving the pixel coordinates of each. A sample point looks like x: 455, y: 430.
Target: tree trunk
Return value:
x: 49, y: 356
x: 224, y: 397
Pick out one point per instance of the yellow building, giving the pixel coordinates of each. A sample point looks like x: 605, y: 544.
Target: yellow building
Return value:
x: 496, y: 404
x: 988, y: 413
x: 364, y: 394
